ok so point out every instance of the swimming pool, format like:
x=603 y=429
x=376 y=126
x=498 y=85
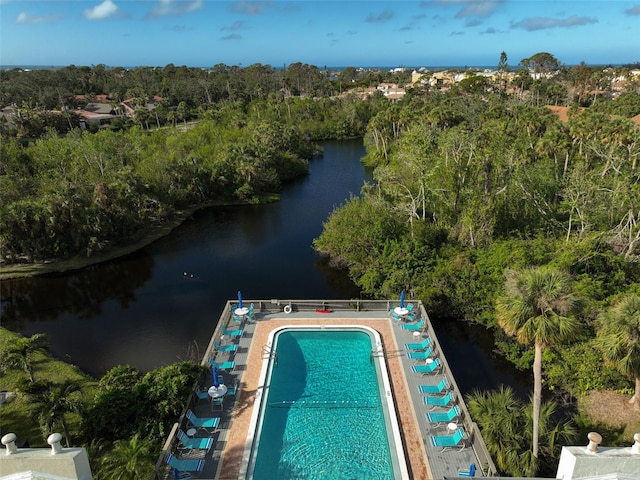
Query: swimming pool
x=324 y=408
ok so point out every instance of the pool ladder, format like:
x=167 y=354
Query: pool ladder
x=376 y=353
x=267 y=353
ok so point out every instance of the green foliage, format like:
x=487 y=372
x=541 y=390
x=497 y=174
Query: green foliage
x=147 y=405
x=578 y=368
x=505 y=424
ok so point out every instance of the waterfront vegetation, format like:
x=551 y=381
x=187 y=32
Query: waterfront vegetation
x=478 y=191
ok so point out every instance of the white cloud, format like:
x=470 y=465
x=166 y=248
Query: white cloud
x=468 y=8
x=544 y=23
x=101 y=11
x=635 y=10
x=32 y=19
x=250 y=8
x=174 y=8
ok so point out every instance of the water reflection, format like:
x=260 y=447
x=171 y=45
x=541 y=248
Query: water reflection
x=80 y=294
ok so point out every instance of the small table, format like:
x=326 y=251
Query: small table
x=428 y=361
x=416 y=334
x=241 y=312
x=401 y=311
x=191 y=432
x=217 y=392
x=452 y=427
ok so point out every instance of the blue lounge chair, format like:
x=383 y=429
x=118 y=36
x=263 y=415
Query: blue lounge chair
x=204 y=423
x=427 y=367
x=423 y=355
x=232 y=347
x=413 y=326
x=185 y=464
x=231 y=333
x=439 y=388
x=418 y=346
x=202 y=395
x=230 y=365
x=436 y=401
x=443 y=417
x=198 y=443
x=470 y=472
x=449 y=441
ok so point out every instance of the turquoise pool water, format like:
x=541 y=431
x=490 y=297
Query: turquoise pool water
x=324 y=413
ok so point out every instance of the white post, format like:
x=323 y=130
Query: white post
x=54 y=440
x=9 y=441
x=594 y=440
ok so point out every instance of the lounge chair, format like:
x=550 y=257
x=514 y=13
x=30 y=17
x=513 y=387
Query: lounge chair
x=204 y=423
x=231 y=333
x=428 y=367
x=185 y=464
x=198 y=443
x=230 y=365
x=449 y=441
x=443 y=417
x=413 y=326
x=436 y=401
x=232 y=347
x=467 y=472
x=423 y=355
x=439 y=388
x=202 y=395
x=418 y=346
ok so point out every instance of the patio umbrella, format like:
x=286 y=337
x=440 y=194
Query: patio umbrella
x=402 y=299
x=239 y=299
x=216 y=379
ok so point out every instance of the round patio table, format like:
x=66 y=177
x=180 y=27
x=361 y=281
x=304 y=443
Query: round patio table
x=241 y=312
x=217 y=392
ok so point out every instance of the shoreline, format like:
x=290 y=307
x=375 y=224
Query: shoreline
x=27 y=270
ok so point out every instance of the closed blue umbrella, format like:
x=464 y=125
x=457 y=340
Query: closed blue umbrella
x=402 y=299
x=216 y=379
x=239 y=299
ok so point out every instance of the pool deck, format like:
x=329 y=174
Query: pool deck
x=224 y=460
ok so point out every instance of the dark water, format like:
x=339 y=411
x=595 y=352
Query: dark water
x=142 y=310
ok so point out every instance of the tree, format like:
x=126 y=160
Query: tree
x=535 y=308
x=54 y=403
x=129 y=459
x=20 y=354
x=505 y=421
x=541 y=63
x=619 y=340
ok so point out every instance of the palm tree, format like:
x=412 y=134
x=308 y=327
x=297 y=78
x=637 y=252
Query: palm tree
x=129 y=459
x=505 y=421
x=20 y=355
x=619 y=339
x=54 y=403
x=534 y=309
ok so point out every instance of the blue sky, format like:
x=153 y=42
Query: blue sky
x=202 y=33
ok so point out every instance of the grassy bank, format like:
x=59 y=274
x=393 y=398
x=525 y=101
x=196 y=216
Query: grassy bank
x=19 y=413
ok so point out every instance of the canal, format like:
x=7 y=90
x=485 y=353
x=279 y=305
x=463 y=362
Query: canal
x=160 y=304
